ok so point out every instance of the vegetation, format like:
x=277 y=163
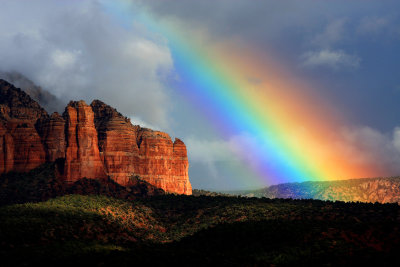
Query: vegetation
x=37 y=185
x=201 y=192
x=41 y=184
x=201 y=230
x=383 y=190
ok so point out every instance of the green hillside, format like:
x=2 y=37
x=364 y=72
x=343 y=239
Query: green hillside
x=203 y=230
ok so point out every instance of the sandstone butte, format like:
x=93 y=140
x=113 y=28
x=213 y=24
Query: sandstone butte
x=87 y=141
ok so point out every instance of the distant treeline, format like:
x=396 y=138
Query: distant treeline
x=382 y=190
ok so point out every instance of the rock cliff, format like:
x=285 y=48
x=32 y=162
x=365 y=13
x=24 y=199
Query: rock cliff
x=151 y=154
x=21 y=148
x=87 y=141
x=82 y=156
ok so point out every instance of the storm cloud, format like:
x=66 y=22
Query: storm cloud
x=349 y=53
x=77 y=51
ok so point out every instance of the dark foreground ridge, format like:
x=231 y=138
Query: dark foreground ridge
x=198 y=231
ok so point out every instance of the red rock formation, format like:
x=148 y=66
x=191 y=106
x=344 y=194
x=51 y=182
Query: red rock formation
x=117 y=142
x=52 y=131
x=163 y=163
x=181 y=167
x=20 y=145
x=17 y=104
x=82 y=156
x=128 y=150
x=93 y=141
x=28 y=150
x=7 y=149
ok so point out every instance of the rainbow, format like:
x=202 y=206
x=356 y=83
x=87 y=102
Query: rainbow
x=293 y=133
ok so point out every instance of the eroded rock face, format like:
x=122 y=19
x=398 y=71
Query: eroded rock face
x=93 y=141
x=128 y=150
x=117 y=142
x=163 y=163
x=16 y=104
x=27 y=151
x=52 y=131
x=82 y=156
x=21 y=148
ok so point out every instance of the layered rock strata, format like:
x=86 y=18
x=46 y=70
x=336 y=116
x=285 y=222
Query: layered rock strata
x=21 y=148
x=93 y=141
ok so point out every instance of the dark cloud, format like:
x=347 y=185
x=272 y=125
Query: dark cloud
x=76 y=50
x=47 y=100
x=326 y=43
x=349 y=52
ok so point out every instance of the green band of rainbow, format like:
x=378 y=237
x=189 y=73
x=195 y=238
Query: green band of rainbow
x=294 y=136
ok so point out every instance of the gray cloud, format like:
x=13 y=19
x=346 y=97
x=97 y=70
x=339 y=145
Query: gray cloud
x=47 y=100
x=212 y=152
x=369 y=147
x=218 y=164
x=372 y=25
x=258 y=21
x=223 y=150
x=325 y=54
x=333 y=33
x=321 y=36
x=337 y=60
x=77 y=51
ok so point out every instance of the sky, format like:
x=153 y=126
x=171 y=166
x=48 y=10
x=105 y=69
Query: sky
x=344 y=54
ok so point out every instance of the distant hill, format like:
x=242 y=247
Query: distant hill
x=201 y=192
x=382 y=190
